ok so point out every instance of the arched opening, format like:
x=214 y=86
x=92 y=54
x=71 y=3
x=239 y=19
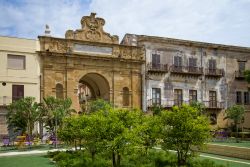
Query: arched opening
x=125 y=96
x=92 y=86
x=59 y=91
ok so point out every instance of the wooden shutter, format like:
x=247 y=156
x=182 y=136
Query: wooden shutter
x=17 y=92
x=156 y=60
x=212 y=64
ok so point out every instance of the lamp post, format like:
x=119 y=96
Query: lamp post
x=56 y=129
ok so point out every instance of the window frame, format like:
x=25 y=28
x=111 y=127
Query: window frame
x=192 y=94
x=178 y=97
x=238 y=99
x=19 y=56
x=246 y=98
x=16 y=91
x=156 y=60
x=125 y=97
x=212 y=98
x=155 y=99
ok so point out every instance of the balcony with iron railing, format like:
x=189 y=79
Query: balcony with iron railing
x=170 y=103
x=214 y=105
x=214 y=72
x=239 y=75
x=187 y=70
x=162 y=68
x=166 y=103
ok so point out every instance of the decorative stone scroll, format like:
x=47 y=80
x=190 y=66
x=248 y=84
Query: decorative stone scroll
x=56 y=46
x=92 y=30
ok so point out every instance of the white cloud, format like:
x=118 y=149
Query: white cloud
x=28 y=18
x=223 y=21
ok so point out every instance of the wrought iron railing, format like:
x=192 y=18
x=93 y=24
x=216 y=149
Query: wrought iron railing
x=170 y=103
x=157 y=67
x=214 y=104
x=239 y=74
x=214 y=72
x=186 y=70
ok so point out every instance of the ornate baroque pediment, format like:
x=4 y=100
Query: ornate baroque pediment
x=92 y=30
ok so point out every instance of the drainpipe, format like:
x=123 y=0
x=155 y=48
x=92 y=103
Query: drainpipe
x=143 y=99
x=202 y=78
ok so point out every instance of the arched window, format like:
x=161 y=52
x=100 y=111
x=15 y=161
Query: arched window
x=59 y=91
x=125 y=96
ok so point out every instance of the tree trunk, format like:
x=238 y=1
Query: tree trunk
x=178 y=158
x=113 y=159
x=118 y=159
x=29 y=132
x=75 y=145
x=41 y=129
x=237 y=133
x=93 y=155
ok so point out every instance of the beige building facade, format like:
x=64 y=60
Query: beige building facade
x=179 y=71
x=19 y=74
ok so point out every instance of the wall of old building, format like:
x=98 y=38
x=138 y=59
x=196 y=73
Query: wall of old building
x=120 y=69
x=29 y=77
x=225 y=85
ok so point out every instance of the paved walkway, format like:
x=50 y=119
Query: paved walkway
x=45 y=151
x=29 y=152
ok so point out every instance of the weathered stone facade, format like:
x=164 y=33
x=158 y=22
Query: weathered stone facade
x=92 y=57
x=209 y=73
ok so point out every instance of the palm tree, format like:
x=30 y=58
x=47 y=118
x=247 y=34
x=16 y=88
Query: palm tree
x=22 y=115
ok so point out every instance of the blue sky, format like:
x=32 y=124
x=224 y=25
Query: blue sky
x=215 y=21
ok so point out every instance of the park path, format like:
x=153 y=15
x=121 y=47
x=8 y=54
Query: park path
x=45 y=151
x=28 y=152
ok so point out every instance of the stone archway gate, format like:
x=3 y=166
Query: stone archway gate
x=90 y=50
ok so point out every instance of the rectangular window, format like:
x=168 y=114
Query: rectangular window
x=212 y=66
x=238 y=97
x=246 y=98
x=156 y=60
x=192 y=95
x=17 y=92
x=177 y=61
x=212 y=99
x=16 y=62
x=242 y=66
x=192 y=64
x=156 y=96
x=178 y=97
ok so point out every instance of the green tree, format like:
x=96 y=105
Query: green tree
x=99 y=105
x=185 y=131
x=235 y=113
x=149 y=130
x=53 y=112
x=22 y=115
x=121 y=132
x=199 y=106
x=247 y=75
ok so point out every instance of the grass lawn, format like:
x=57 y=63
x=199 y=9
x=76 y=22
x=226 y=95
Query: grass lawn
x=37 y=160
x=233 y=143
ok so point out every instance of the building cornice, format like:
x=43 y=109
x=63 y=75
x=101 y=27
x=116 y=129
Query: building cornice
x=205 y=45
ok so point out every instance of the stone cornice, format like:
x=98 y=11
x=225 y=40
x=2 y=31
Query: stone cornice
x=65 y=46
x=144 y=38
